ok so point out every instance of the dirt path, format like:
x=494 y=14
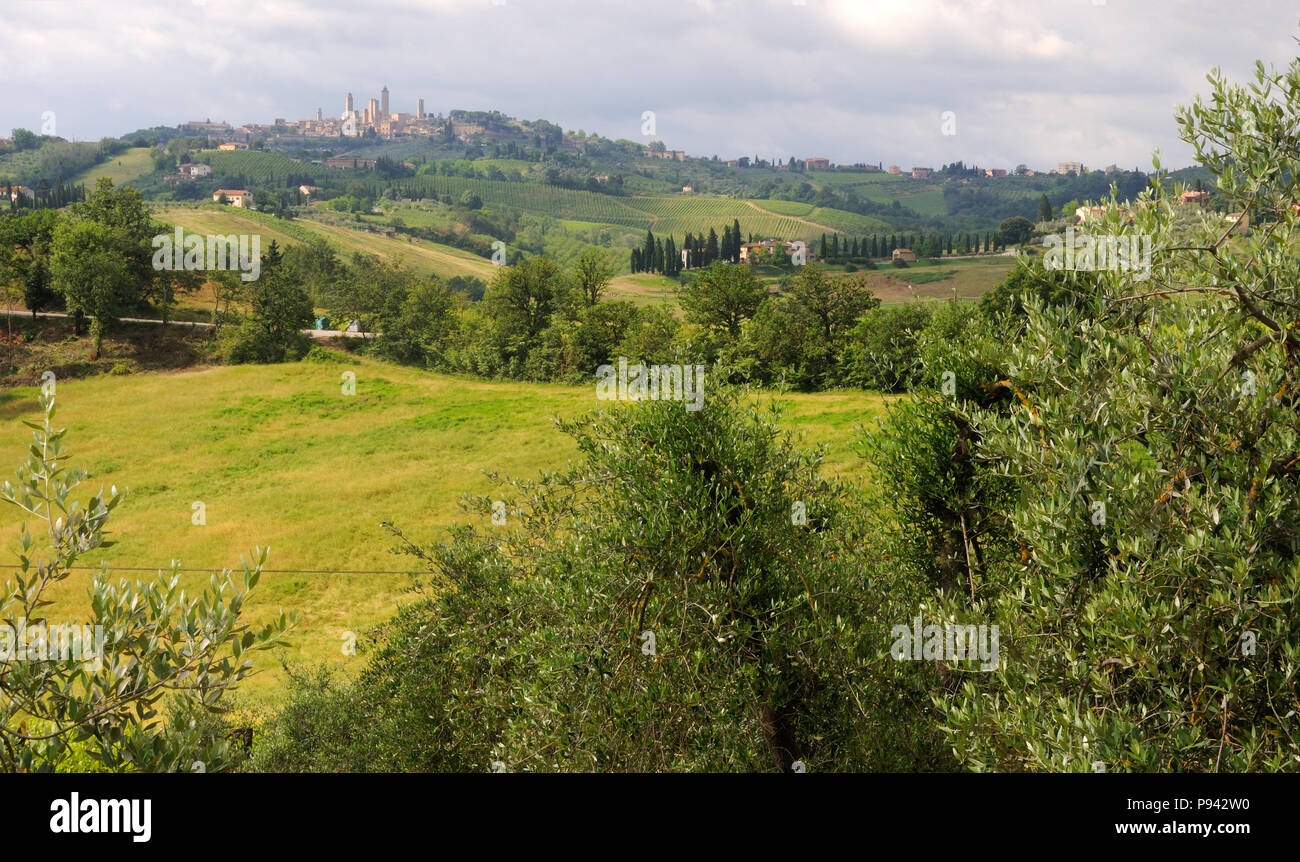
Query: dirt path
x=314 y=333
x=799 y=219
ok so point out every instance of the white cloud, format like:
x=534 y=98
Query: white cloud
x=851 y=80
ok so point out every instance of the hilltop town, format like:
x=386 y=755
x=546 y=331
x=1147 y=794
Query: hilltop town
x=377 y=122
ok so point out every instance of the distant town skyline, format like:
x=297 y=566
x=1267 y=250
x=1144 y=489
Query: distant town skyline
x=907 y=83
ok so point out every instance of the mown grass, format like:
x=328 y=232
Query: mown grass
x=121 y=169
x=279 y=457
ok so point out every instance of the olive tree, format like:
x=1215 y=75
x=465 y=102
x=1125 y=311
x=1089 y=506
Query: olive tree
x=1147 y=604
x=127 y=686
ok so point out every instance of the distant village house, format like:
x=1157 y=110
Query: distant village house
x=241 y=198
x=349 y=163
x=751 y=252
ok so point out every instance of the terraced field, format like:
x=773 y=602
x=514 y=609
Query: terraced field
x=258 y=166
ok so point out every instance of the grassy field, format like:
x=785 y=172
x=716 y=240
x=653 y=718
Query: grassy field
x=280 y=457
x=121 y=169
x=420 y=255
x=969 y=278
x=644 y=288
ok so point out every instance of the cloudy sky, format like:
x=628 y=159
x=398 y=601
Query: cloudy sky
x=853 y=80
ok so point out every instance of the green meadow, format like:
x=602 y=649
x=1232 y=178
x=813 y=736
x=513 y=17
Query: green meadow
x=279 y=457
x=121 y=169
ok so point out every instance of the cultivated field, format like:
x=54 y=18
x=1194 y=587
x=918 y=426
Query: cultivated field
x=420 y=255
x=664 y=214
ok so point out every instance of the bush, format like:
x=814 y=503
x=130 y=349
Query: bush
x=322 y=354
x=251 y=342
x=883 y=351
x=532 y=646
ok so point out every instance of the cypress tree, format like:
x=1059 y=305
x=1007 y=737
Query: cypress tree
x=1044 y=208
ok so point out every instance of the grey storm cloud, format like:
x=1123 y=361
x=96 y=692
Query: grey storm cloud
x=1032 y=82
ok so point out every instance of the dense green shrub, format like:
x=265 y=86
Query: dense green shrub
x=704 y=530
x=883 y=350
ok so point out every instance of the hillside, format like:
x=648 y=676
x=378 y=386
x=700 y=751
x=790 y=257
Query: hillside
x=121 y=169
x=421 y=255
x=664 y=214
x=280 y=458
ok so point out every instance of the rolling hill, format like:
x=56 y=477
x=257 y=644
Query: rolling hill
x=279 y=457
x=421 y=255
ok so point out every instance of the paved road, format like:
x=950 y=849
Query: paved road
x=314 y=333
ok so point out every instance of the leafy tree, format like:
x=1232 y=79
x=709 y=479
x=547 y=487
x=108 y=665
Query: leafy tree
x=25 y=243
x=123 y=211
x=523 y=297
x=832 y=304
x=883 y=350
x=24 y=139
x=87 y=265
x=1015 y=230
x=591 y=274
x=1146 y=585
x=723 y=296
x=417 y=322
x=279 y=310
